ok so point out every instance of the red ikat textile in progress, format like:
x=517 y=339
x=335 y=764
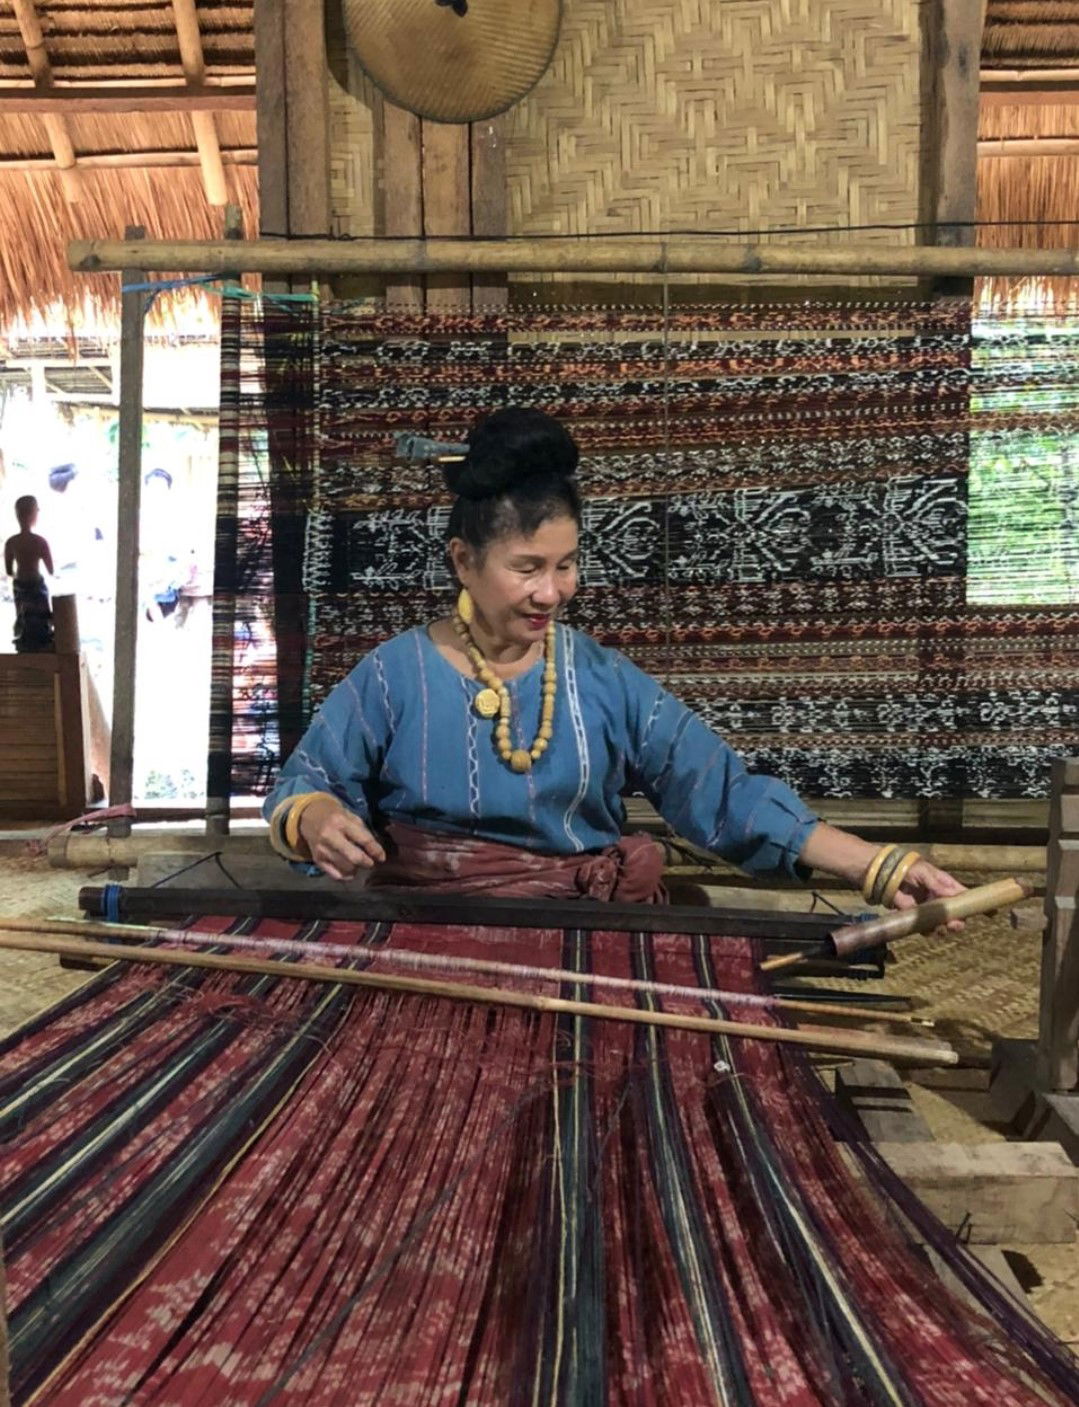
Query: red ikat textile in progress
x=247 y=1190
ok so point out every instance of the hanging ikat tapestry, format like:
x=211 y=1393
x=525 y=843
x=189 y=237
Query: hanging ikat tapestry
x=776 y=520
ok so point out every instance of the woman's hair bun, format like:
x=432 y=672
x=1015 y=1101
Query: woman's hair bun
x=509 y=446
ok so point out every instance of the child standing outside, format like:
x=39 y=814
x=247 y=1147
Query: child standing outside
x=24 y=555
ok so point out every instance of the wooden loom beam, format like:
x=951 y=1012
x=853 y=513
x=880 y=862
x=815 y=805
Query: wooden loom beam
x=15 y=935
x=564 y=254
x=412 y=906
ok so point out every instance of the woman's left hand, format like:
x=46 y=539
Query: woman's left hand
x=923 y=882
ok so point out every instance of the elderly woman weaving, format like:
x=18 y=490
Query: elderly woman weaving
x=489 y=752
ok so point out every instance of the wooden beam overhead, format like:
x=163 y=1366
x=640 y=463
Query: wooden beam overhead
x=1043 y=86
x=194 y=66
x=131 y=160
x=94 y=98
x=55 y=124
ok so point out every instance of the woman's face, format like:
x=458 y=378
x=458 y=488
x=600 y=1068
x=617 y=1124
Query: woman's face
x=520 y=583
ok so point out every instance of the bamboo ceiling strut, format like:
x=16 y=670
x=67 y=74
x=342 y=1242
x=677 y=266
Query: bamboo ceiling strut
x=674 y=254
x=186 y=19
x=34 y=935
x=55 y=124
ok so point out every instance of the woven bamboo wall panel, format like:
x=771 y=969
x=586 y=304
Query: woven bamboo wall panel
x=353 y=103
x=667 y=114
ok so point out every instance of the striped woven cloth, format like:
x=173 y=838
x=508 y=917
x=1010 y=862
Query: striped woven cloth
x=248 y=1190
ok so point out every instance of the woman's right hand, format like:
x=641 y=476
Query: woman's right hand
x=339 y=842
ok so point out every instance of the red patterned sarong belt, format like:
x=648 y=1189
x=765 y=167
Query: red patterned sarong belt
x=440 y=862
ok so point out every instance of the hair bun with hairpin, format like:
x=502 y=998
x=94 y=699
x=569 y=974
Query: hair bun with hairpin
x=508 y=446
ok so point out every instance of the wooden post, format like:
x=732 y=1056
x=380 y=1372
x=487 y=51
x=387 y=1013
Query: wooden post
x=950 y=192
x=65 y=624
x=489 y=214
x=270 y=117
x=402 y=194
x=307 y=117
x=219 y=761
x=294 y=199
x=1058 y=1029
x=128 y=501
x=446 y=205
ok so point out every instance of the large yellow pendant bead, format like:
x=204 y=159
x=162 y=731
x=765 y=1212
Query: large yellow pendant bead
x=520 y=760
x=486 y=703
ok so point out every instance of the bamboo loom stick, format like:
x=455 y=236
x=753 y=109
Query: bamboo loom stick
x=562 y=254
x=406 y=957
x=17 y=934
x=923 y=918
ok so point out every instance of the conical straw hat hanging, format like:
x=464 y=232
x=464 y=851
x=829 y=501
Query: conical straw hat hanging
x=454 y=60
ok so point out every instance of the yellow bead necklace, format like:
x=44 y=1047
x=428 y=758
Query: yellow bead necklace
x=495 y=699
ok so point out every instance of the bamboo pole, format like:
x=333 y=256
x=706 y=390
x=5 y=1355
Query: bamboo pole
x=1028 y=146
x=565 y=254
x=76 y=851
x=923 y=918
x=418 y=961
x=23 y=935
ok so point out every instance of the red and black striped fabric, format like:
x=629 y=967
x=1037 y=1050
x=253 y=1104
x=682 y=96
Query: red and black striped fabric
x=236 y=1190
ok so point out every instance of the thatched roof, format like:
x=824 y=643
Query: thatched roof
x=1031 y=34
x=142 y=166
x=136 y=164
x=1028 y=168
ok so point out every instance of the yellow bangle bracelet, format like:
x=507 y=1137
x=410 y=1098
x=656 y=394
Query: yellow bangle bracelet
x=293 y=839
x=869 y=878
x=902 y=869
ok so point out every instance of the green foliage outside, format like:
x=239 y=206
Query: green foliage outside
x=1023 y=530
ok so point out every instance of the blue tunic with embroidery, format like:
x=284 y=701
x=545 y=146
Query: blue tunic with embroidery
x=399 y=739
